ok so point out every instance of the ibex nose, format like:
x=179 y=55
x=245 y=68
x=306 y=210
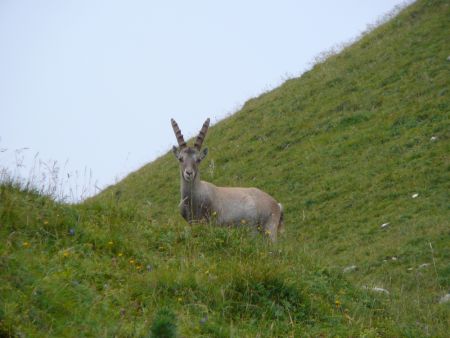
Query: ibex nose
x=188 y=173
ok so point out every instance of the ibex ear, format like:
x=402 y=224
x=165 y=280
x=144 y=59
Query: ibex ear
x=203 y=154
x=175 y=151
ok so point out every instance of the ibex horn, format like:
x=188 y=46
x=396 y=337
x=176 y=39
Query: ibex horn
x=178 y=134
x=201 y=135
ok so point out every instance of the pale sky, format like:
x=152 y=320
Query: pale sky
x=92 y=85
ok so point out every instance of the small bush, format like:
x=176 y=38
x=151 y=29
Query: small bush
x=266 y=297
x=164 y=324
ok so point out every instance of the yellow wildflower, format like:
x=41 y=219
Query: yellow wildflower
x=268 y=232
x=110 y=243
x=243 y=221
x=180 y=299
x=132 y=261
x=26 y=244
x=66 y=253
x=120 y=254
x=139 y=267
x=45 y=222
x=338 y=303
x=214 y=213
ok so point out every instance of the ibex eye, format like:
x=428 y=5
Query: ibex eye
x=180 y=159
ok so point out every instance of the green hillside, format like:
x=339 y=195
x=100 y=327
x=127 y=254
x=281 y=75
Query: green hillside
x=345 y=147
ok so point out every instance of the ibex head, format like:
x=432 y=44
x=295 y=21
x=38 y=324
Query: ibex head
x=190 y=157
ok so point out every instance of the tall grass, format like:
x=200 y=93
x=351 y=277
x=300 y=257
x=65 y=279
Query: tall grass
x=46 y=177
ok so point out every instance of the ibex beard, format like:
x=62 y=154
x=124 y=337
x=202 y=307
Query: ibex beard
x=202 y=201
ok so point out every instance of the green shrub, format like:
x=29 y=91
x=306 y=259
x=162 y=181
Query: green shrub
x=164 y=324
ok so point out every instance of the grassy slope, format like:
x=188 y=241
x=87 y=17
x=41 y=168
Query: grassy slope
x=117 y=272
x=343 y=148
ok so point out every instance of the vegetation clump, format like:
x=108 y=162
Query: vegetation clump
x=164 y=324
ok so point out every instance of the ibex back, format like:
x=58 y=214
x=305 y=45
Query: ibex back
x=203 y=201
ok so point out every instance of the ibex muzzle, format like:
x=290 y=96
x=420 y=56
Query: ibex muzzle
x=228 y=206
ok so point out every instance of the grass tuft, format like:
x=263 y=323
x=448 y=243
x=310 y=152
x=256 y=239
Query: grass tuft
x=164 y=324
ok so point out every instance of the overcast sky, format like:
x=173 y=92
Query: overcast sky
x=92 y=84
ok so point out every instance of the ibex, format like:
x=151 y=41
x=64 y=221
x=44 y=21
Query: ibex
x=226 y=206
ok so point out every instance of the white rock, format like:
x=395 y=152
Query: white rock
x=448 y=58
x=433 y=138
x=394 y=258
x=377 y=289
x=445 y=299
x=415 y=195
x=350 y=268
x=410 y=269
x=384 y=225
x=424 y=265
x=381 y=290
